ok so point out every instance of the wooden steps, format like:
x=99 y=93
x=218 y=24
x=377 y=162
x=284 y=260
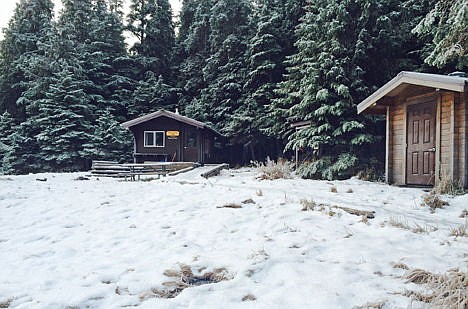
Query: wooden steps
x=133 y=171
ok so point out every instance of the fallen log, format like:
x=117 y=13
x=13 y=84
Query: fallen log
x=215 y=170
x=369 y=214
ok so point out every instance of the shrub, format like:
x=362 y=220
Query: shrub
x=459 y=231
x=307 y=204
x=275 y=170
x=446 y=291
x=446 y=185
x=433 y=201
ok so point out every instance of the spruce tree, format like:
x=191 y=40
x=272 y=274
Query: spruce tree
x=7 y=129
x=327 y=79
x=447 y=26
x=226 y=69
x=31 y=20
x=64 y=118
x=150 y=21
x=194 y=50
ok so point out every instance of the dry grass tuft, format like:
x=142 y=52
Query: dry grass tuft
x=183 y=278
x=249 y=297
x=259 y=192
x=459 y=231
x=275 y=170
x=400 y=266
x=433 y=201
x=445 y=291
x=333 y=189
x=373 y=305
x=230 y=205
x=349 y=190
x=423 y=229
x=464 y=214
x=446 y=185
x=399 y=222
x=307 y=204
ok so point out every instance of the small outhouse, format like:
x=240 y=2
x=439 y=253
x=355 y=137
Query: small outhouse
x=426 y=127
x=171 y=137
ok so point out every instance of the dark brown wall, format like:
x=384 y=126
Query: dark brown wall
x=175 y=146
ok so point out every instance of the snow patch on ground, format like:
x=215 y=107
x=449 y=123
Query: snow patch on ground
x=106 y=243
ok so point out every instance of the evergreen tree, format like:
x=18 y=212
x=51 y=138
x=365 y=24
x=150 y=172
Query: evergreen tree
x=194 y=50
x=327 y=78
x=109 y=140
x=225 y=70
x=150 y=21
x=64 y=118
x=31 y=20
x=152 y=94
x=447 y=25
x=7 y=129
x=266 y=53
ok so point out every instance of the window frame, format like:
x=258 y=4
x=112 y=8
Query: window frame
x=154 y=139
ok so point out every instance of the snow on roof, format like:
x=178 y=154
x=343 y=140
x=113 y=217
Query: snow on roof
x=453 y=83
x=164 y=113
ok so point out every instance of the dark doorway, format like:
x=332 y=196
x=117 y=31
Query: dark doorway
x=421 y=141
x=191 y=146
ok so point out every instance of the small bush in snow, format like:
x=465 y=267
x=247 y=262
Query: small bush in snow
x=433 y=201
x=400 y=223
x=447 y=185
x=446 y=291
x=333 y=189
x=459 y=231
x=307 y=204
x=274 y=170
x=184 y=278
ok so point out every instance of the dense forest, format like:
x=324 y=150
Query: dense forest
x=248 y=68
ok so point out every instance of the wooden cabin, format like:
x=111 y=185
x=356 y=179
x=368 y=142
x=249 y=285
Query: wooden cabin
x=426 y=127
x=170 y=137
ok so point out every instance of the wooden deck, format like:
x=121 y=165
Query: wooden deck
x=133 y=171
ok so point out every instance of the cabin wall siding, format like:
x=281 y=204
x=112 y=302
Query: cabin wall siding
x=398 y=144
x=446 y=136
x=461 y=137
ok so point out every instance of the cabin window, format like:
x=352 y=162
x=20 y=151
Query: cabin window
x=154 y=138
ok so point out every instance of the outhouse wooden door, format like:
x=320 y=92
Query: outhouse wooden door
x=421 y=141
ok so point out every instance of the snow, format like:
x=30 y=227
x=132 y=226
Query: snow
x=104 y=243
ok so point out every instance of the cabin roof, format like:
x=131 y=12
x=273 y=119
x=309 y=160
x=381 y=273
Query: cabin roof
x=165 y=113
x=452 y=83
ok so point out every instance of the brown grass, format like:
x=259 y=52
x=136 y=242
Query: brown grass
x=183 y=278
x=307 y=204
x=446 y=185
x=433 y=201
x=444 y=291
x=399 y=222
x=400 y=266
x=275 y=170
x=333 y=189
x=349 y=190
x=459 y=231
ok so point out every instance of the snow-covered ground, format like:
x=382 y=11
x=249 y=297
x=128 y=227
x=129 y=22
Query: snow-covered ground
x=105 y=243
